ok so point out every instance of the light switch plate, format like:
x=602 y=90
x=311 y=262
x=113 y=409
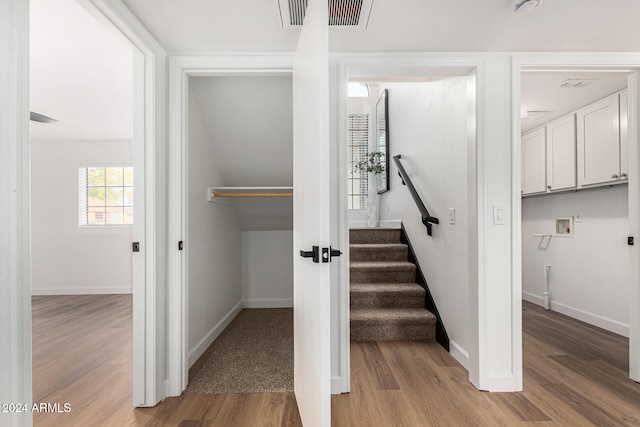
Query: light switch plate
x=452 y=215
x=499 y=215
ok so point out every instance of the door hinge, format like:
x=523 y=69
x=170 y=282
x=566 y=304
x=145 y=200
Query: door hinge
x=180 y=245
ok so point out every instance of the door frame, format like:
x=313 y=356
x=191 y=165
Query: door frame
x=148 y=140
x=180 y=69
x=145 y=50
x=591 y=62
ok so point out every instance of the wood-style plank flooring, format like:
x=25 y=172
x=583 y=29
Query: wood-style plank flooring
x=574 y=375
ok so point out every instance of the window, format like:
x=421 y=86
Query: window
x=106 y=195
x=358 y=140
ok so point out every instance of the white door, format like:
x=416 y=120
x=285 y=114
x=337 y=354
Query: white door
x=311 y=218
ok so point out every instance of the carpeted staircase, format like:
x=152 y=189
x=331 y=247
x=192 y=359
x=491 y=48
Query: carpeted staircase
x=386 y=302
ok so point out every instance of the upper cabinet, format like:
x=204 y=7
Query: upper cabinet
x=599 y=142
x=561 y=153
x=533 y=162
x=580 y=150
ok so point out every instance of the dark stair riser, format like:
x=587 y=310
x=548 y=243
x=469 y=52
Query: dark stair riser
x=378 y=252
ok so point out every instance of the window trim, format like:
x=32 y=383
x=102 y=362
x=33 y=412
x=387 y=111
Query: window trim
x=82 y=196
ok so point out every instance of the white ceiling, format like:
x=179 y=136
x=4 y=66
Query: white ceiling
x=81 y=74
x=541 y=91
x=400 y=25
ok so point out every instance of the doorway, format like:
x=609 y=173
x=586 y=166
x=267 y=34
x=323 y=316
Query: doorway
x=621 y=197
x=239 y=241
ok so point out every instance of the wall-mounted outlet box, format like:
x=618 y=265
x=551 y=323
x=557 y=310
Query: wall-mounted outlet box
x=564 y=227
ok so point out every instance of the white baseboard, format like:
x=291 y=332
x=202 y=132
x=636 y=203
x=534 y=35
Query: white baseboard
x=459 y=353
x=79 y=291
x=209 y=338
x=610 y=325
x=268 y=303
x=337 y=385
x=532 y=298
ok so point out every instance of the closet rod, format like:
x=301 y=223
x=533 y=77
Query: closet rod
x=252 y=194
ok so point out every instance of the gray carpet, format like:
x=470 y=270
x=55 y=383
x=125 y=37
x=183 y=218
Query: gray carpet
x=253 y=354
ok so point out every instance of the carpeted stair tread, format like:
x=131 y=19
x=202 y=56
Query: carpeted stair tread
x=392 y=324
x=382 y=265
x=386 y=295
x=412 y=288
x=400 y=315
x=374 y=235
x=362 y=252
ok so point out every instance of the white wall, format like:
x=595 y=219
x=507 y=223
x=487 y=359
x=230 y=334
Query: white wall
x=213 y=244
x=267 y=268
x=589 y=276
x=67 y=258
x=429 y=128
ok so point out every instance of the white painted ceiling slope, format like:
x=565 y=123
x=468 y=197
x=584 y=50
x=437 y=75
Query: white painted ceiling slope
x=400 y=25
x=81 y=74
x=249 y=121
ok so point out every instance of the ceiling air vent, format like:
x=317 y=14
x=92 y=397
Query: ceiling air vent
x=342 y=13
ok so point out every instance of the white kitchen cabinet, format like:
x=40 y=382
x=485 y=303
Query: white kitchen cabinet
x=533 y=162
x=561 y=153
x=598 y=132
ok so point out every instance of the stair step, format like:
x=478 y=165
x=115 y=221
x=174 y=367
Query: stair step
x=387 y=295
x=374 y=235
x=392 y=324
x=382 y=272
x=362 y=252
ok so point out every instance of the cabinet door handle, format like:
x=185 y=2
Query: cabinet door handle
x=615 y=176
x=549 y=187
x=623 y=175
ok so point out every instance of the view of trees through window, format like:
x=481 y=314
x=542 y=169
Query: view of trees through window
x=108 y=195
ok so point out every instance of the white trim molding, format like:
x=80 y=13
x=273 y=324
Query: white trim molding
x=268 y=303
x=181 y=67
x=494 y=350
x=15 y=282
x=605 y=323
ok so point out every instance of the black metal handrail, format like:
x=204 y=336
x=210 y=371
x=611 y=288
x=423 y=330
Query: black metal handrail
x=427 y=219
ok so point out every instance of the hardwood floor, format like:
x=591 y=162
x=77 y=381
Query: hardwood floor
x=574 y=375
x=82 y=356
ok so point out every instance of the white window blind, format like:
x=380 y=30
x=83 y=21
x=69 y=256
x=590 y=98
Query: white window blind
x=358 y=148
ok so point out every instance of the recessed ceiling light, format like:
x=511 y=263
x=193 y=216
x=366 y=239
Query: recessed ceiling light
x=524 y=6
x=575 y=83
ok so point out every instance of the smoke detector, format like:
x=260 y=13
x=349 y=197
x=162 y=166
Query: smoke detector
x=342 y=13
x=524 y=6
